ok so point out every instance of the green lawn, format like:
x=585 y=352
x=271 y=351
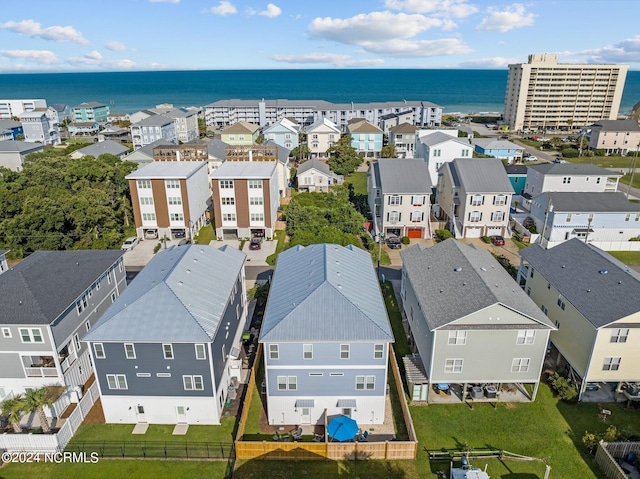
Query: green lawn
x=519 y=244
x=117 y=469
x=631 y=258
x=359 y=182
x=280 y=236
x=626 y=179
x=524 y=141
x=206 y=234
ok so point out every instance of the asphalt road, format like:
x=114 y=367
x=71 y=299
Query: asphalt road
x=258 y=273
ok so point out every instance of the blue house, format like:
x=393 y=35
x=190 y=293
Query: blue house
x=284 y=133
x=168 y=349
x=517 y=176
x=326 y=337
x=10 y=129
x=91 y=111
x=503 y=149
x=366 y=137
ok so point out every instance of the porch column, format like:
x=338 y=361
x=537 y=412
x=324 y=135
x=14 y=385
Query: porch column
x=535 y=390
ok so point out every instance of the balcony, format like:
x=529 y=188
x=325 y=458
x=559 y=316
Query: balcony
x=39 y=366
x=67 y=358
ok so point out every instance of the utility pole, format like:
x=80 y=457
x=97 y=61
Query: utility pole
x=633 y=170
x=588 y=227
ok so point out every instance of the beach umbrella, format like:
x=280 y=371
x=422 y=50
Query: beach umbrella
x=342 y=428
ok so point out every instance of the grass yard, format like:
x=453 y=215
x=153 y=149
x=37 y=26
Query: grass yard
x=621 y=162
x=116 y=469
x=280 y=236
x=206 y=234
x=359 y=182
x=626 y=179
x=631 y=258
x=532 y=143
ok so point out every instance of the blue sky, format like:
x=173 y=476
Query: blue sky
x=124 y=35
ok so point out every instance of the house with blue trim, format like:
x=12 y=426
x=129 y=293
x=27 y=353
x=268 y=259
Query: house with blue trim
x=517 y=175
x=503 y=149
x=10 y=129
x=91 y=111
x=284 y=133
x=326 y=337
x=168 y=349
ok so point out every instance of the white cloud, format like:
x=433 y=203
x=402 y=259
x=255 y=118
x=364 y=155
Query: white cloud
x=371 y=27
x=224 y=8
x=444 y=8
x=514 y=16
x=334 y=59
x=627 y=50
x=418 y=48
x=110 y=65
x=272 y=11
x=32 y=28
x=488 y=63
x=116 y=46
x=94 y=55
x=45 y=57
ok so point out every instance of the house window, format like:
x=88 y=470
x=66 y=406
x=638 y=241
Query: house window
x=228 y=216
x=627 y=217
x=176 y=217
x=417 y=200
x=82 y=303
x=117 y=381
x=568 y=217
x=149 y=216
x=365 y=382
x=395 y=200
x=31 y=335
x=477 y=200
x=453 y=365
x=458 y=337
x=257 y=216
x=475 y=216
x=129 y=350
x=544 y=309
x=98 y=349
x=192 y=383
x=201 y=352
x=255 y=184
x=378 y=351
x=256 y=200
x=561 y=302
x=436 y=153
x=273 y=351
x=393 y=216
x=146 y=200
x=497 y=216
x=6 y=332
x=611 y=364
x=76 y=341
x=619 y=336
x=175 y=200
x=598 y=181
x=167 y=350
x=464 y=153
x=566 y=180
x=526 y=336
x=532 y=271
x=228 y=201
x=500 y=200
x=637 y=217
x=226 y=184
x=287 y=383
x=144 y=183
x=307 y=351
x=172 y=183
x=416 y=216
x=520 y=365
x=113 y=297
x=344 y=351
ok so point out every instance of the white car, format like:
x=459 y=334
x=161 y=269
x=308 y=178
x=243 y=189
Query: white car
x=531 y=158
x=130 y=243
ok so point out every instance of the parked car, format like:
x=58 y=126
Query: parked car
x=130 y=243
x=179 y=234
x=531 y=158
x=393 y=242
x=151 y=234
x=497 y=240
x=255 y=243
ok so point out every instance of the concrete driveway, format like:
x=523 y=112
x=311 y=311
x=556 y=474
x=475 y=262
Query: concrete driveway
x=139 y=256
x=509 y=250
x=255 y=257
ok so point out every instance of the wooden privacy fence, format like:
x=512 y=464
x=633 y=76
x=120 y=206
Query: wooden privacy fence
x=607 y=453
x=251 y=386
x=406 y=415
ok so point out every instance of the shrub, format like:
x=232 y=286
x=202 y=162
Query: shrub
x=486 y=239
x=590 y=440
x=563 y=387
x=157 y=247
x=587 y=153
x=532 y=228
x=600 y=152
x=367 y=241
x=634 y=239
x=570 y=153
x=442 y=235
x=405 y=240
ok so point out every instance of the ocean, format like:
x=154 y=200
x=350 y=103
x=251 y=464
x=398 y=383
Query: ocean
x=126 y=92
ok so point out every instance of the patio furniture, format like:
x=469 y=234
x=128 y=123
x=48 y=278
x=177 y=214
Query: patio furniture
x=318 y=437
x=297 y=434
x=363 y=437
x=342 y=428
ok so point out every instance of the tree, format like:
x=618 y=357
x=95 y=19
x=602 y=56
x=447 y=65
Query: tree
x=36 y=400
x=260 y=140
x=12 y=408
x=202 y=127
x=301 y=152
x=344 y=158
x=389 y=151
x=20 y=137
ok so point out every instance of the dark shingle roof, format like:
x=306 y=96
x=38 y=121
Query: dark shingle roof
x=515 y=169
x=446 y=295
x=314 y=163
x=572 y=169
x=576 y=270
x=616 y=125
x=41 y=287
x=403 y=175
x=104 y=147
x=482 y=175
x=591 y=202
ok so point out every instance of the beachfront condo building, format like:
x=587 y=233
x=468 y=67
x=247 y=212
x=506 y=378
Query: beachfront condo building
x=13 y=108
x=544 y=94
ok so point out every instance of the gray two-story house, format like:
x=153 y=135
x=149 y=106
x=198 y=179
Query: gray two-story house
x=48 y=302
x=168 y=349
x=470 y=322
x=326 y=337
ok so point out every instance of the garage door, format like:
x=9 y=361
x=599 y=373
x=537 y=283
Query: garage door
x=414 y=232
x=494 y=231
x=473 y=233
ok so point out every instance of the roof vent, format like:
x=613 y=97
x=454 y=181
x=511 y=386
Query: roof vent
x=619 y=282
x=201 y=250
x=339 y=286
x=588 y=290
x=603 y=271
x=441 y=290
x=496 y=285
x=458 y=269
x=563 y=266
x=482 y=268
x=77 y=264
x=195 y=260
x=464 y=284
x=180 y=283
x=188 y=271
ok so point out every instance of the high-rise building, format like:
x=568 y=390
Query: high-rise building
x=545 y=94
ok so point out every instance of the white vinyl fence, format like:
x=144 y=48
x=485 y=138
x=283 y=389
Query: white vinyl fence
x=52 y=442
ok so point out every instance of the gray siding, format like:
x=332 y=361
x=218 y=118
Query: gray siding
x=150 y=359
x=14 y=343
x=11 y=365
x=326 y=354
x=422 y=335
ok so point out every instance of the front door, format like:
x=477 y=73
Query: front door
x=182 y=414
x=305 y=416
x=140 y=414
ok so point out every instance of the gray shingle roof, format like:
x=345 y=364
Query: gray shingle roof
x=166 y=170
x=572 y=169
x=446 y=295
x=325 y=292
x=104 y=147
x=439 y=137
x=19 y=146
x=482 y=175
x=42 y=286
x=515 y=169
x=9 y=124
x=616 y=125
x=402 y=175
x=181 y=295
x=591 y=202
x=574 y=269
x=314 y=163
x=405 y=128
x=148 y=149
x=90 y=104
x=493 y=144
x=155 y=120
x=216 y=148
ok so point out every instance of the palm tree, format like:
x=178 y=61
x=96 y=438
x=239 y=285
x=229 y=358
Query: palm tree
x=13 y=408
x=35 y=400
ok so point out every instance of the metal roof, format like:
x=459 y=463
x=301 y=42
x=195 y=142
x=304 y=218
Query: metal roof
x=482 y=175
x=166 y=170
x=19 y=146
x=563 y=169
x=42 y=286
x=245 y=169
x=181 y=295
x=321 y=166
x=452 y=280
x=90 y=104
x=402 y=175
x=108 y=146
x=599 y=286
x=325 y=292
x=590 y=202
x=438 y=137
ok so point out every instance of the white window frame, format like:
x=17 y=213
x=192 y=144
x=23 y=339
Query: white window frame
x=453 y=365
x=526 y=336
x=254 y=184
x=274 y=351
x=228 y=216
x=31 y=336
x=500 y=200
x=520 y=365
x=228 y=200
x=201 y=351
x=76 y=342
x=497 y=216
x=169 y=350
x=477 y=200
x=176 y=217
x=619 y=335
x=457 y=337
x=475 y=216
x=172 y=184
x=119 y=381
x=378 y=351
x=307 y=351
x=98 y=351
x=256 y=200
x=226 y=184
x=345 y=351
x=6 y=332
x=395 y=200
x=287 y=383
x=129 y=351
x=611 y=364
x=192 y=383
